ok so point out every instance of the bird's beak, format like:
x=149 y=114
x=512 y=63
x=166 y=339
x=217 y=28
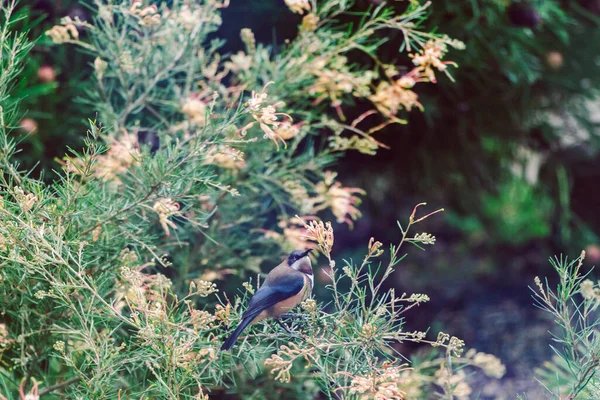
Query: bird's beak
x=306 y=252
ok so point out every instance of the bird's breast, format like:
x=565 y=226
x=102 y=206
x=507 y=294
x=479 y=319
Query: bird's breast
x=286 y=305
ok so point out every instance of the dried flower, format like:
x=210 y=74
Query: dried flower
x=188 y=17
x=456 y=346
x=538 y=283
x=292 y=236
x=368 y=331
x=286 y=130
x=334 y=79
x=298 y=195
x=280 y=366
x=166 y=208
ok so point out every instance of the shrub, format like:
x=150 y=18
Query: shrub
x=112 y=276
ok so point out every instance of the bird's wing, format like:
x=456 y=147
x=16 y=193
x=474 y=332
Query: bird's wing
x=274 y=291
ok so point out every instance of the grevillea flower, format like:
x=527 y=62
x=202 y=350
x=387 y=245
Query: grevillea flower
x=341 y=200
x=298 y=6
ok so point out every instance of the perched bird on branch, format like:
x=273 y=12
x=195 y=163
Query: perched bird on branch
x=286 y=286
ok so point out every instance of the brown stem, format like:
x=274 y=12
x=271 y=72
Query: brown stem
x=59 y=386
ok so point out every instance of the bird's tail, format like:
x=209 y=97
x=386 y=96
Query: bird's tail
x=238 y=331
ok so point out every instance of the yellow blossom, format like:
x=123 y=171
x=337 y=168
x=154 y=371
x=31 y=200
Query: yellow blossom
x=335 y=79
x=588 y=291
x=100 y=67
x=26 y=201
x=205 y=288
x=166 y=208
x=63 y=34
x=430 y=57
x=454 y=382
x=374 y=248
x=122 y=154
x=226 y=157
x=287 y=131
x=389 y=99
x=195 y=110
x=320 y=233
x=382 y=384
x=223 y=314
x=147 y=15
x=310 y=306
x=248 y=286
x=298 y=6
x=201 y=319
x=239 y=62
x=292 y=236
x=4 y=340
x=309 y=23
x=490 y=364
x=341 y=200
x=266 y=116
x=365 y=145
x=249 y=40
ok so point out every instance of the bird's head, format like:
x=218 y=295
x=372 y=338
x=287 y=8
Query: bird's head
x=298 y=259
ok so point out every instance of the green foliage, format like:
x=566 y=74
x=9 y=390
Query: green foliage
x=517 y=214
x=186 y=182
x=517 y=88
x=573 y=372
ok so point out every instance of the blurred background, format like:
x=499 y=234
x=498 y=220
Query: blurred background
x=510 y=150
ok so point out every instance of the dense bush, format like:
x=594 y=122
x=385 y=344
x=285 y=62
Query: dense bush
x=127 y=261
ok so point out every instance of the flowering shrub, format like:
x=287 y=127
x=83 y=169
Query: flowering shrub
x=111 y=278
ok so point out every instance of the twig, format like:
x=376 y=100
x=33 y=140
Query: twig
x=59 y=386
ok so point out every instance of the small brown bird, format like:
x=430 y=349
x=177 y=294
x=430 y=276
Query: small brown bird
x=286 y=286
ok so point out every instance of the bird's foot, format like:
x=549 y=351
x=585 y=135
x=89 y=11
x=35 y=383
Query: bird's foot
x=285 y=328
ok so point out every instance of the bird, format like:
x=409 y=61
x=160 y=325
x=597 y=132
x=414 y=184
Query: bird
x=286 y=286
